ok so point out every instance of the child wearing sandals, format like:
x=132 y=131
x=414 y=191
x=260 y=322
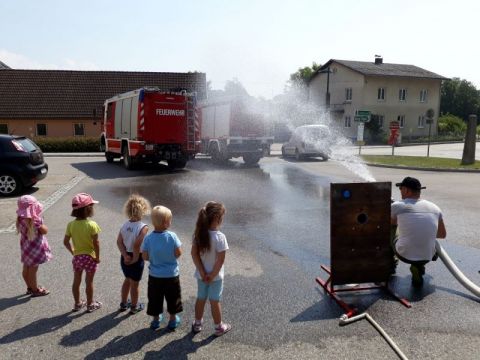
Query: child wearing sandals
x=209 y=248
x=81 y=240
x=129 y=240
x=162 y=248
x=33 y=242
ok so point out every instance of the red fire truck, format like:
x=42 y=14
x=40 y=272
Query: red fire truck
x=149 y=125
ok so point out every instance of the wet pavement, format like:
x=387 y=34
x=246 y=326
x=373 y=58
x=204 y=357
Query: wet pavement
x=277 y=225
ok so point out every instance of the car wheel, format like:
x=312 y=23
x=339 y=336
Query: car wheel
x=298 y=156
x=9 y=185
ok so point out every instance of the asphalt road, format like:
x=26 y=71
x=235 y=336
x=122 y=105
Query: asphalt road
x=277 y=224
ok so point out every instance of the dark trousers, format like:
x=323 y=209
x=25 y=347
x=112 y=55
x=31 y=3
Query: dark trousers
x=164 y=288
x=420 y=264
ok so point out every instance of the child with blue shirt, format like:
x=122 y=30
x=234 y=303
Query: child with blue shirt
x=162 y=248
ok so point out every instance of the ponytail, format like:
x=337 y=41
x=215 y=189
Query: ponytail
x=207 y=214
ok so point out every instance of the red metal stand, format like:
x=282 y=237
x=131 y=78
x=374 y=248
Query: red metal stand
x=329 y=288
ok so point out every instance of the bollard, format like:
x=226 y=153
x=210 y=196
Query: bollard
x=468 y=157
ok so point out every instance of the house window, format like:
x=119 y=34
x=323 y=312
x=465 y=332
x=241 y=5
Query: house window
x=79 y=129
x=41 y=129
x=421 y=121
x=348 y=121
x=401 y=120
x=381 y=119
x=402 y=94
x=348 y=94
x=3 y=129
x=381 y=94
x=423 y=95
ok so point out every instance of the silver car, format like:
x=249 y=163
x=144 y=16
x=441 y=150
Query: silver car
x=308 y=141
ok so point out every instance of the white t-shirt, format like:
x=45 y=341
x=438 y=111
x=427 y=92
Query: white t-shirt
x=218 y=243
x=417 y=225
x=130 y=231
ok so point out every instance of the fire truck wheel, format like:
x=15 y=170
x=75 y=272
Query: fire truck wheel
x=127 y=159
x=251 y=158
x=176 y=164
x=109 y=157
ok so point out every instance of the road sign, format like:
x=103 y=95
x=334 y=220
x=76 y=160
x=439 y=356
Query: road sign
x=363 y=113
x=362 y=116
x=362 y=119
x=429 y=121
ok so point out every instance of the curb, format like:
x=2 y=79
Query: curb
x=100 y=154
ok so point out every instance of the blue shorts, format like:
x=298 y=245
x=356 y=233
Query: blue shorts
x=133 y=271
x=212 y=291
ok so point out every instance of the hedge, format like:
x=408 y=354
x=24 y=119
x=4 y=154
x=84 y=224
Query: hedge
x=73 y=144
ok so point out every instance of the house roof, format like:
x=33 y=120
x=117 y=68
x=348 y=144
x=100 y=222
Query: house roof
x=383 y=69
x=3 y=66
x=55 y=94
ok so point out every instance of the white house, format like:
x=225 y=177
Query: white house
x=390 y=92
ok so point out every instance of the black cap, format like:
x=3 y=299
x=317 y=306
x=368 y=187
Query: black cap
x=411 y=183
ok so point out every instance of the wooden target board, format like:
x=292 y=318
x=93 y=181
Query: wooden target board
x=360 y=250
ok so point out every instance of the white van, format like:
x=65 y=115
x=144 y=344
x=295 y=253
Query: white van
x=308 y=141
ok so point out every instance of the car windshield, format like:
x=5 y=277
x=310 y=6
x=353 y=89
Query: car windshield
x=27 y=144
x=314 y=134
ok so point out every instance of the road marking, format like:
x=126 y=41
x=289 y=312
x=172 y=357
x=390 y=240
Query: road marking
x=52 y=199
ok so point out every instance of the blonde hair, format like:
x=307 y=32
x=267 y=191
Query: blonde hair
x=136 y=207
x=160 y=215
x=29 y=225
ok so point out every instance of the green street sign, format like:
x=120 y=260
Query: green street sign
x=363 y=113
x=361 y=118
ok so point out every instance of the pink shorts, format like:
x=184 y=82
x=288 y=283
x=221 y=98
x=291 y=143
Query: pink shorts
x=84 y=262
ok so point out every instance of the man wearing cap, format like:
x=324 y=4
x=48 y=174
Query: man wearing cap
x=419 y=223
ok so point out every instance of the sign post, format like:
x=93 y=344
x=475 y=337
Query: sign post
x=429 y=115
x=362 y=117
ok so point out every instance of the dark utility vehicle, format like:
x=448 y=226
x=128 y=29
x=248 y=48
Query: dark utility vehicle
x=21 y=164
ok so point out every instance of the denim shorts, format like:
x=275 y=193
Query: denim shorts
x=212 y=291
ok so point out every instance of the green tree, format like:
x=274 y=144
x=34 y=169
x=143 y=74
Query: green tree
x=451 y=125
x=235 y=88
x=459 y=97
x=300 y=78
x=374 y=130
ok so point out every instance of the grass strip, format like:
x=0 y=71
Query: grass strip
x=420 y=162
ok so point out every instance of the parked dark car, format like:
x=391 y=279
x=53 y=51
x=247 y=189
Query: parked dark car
x=21 y=164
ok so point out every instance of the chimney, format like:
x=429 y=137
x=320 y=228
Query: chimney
x=378 y=60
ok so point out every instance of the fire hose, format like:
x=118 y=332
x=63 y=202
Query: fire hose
x=462 y=279
x=345 y=320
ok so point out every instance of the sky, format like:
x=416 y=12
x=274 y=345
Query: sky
x=259 y=43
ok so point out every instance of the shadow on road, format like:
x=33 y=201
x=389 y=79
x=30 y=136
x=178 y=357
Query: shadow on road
x=6 y=303
x=40 y=327
x=102 y=170
x=179 y=349
x=93 y=330
x=124 y=345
